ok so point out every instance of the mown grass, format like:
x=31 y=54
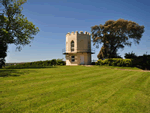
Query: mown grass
x=119 y=67
x=76 y=89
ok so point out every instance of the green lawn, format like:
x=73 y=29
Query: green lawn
x=73 y=89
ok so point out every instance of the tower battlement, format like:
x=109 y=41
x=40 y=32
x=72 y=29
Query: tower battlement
x=78 y=48
x=76 y=32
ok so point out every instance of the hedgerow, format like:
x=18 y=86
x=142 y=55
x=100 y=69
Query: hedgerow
x=52 y=62
x=141 y=61
x=114 y=62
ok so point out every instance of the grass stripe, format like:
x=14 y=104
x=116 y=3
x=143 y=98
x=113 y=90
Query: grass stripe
x=75 y=89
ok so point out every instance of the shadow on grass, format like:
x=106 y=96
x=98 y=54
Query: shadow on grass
x=30 y=67
x=11 y=72
x=143 y=67
x=15 y=73
x=34 y=67
x=133 y=67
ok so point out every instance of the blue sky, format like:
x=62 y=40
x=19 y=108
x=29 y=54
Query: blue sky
x=55 y=18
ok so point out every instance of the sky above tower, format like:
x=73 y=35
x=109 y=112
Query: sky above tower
x=55 y=18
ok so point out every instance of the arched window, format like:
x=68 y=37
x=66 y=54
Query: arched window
x=72 y=45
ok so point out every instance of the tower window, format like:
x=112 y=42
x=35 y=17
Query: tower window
x=72 y=45
x=72 y=58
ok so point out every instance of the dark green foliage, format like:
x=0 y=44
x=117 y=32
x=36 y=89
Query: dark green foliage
x=2 y=62
x=60 y=62
x=53 y=62
x=38 y=64
x=130 y=55
x=99 y=62
x=128 y=62
x=142 y=61
x=105 y=53
x=16 y=28
x=3 y=52
x=49 y=62
x=93 y=63
x=115 y=35
x=115 y=62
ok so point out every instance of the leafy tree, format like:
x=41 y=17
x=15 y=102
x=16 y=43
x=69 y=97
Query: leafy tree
x=14 y=27
x=115 y=35
x=18 y=30
x=104 y=51
x=130 y=55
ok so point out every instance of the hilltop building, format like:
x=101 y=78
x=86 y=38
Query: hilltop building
x=78 y=48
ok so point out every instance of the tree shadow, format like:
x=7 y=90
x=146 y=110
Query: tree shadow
x=13 y=72
x=35 y=67
x=143 y=67
x=39 y=67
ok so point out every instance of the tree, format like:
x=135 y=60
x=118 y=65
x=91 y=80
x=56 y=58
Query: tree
x=3 y=53
x=130 y=55
x=115 y=35
x=2 y=62
x=14 y=27
x=18 y=29
x=3 y=45
x=104 y=51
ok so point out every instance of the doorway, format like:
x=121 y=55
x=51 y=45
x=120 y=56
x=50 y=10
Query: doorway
x=82 y=59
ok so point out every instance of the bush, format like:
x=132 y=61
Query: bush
x=49 y=62
x=127 y=63
x=136 y=61
x=59 y=61
x=130 y=55
x=115 y=62
x=93 y=63
x=53 y=62
x=142 y=61
x=99 y=62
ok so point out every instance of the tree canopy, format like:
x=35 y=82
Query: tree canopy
x=130 y=55
x=16 y=28
x=115 y=35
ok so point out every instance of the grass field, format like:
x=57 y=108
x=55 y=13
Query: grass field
x=74 y=89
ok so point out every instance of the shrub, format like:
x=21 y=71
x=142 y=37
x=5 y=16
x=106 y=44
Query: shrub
x=49 y=63
x=142 y=61
x=59 y=61
x=139 y=61
x=93 y=63
x=99 y=62
x=127 y=62
x=115 y=62
x=53 y=61
x=130 y=55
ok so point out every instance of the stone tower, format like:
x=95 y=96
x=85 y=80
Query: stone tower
x=78 y=48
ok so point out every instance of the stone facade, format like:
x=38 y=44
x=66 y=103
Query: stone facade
x=78 y=48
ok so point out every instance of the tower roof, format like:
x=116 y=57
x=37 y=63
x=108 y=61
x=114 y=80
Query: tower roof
x=76 y=32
